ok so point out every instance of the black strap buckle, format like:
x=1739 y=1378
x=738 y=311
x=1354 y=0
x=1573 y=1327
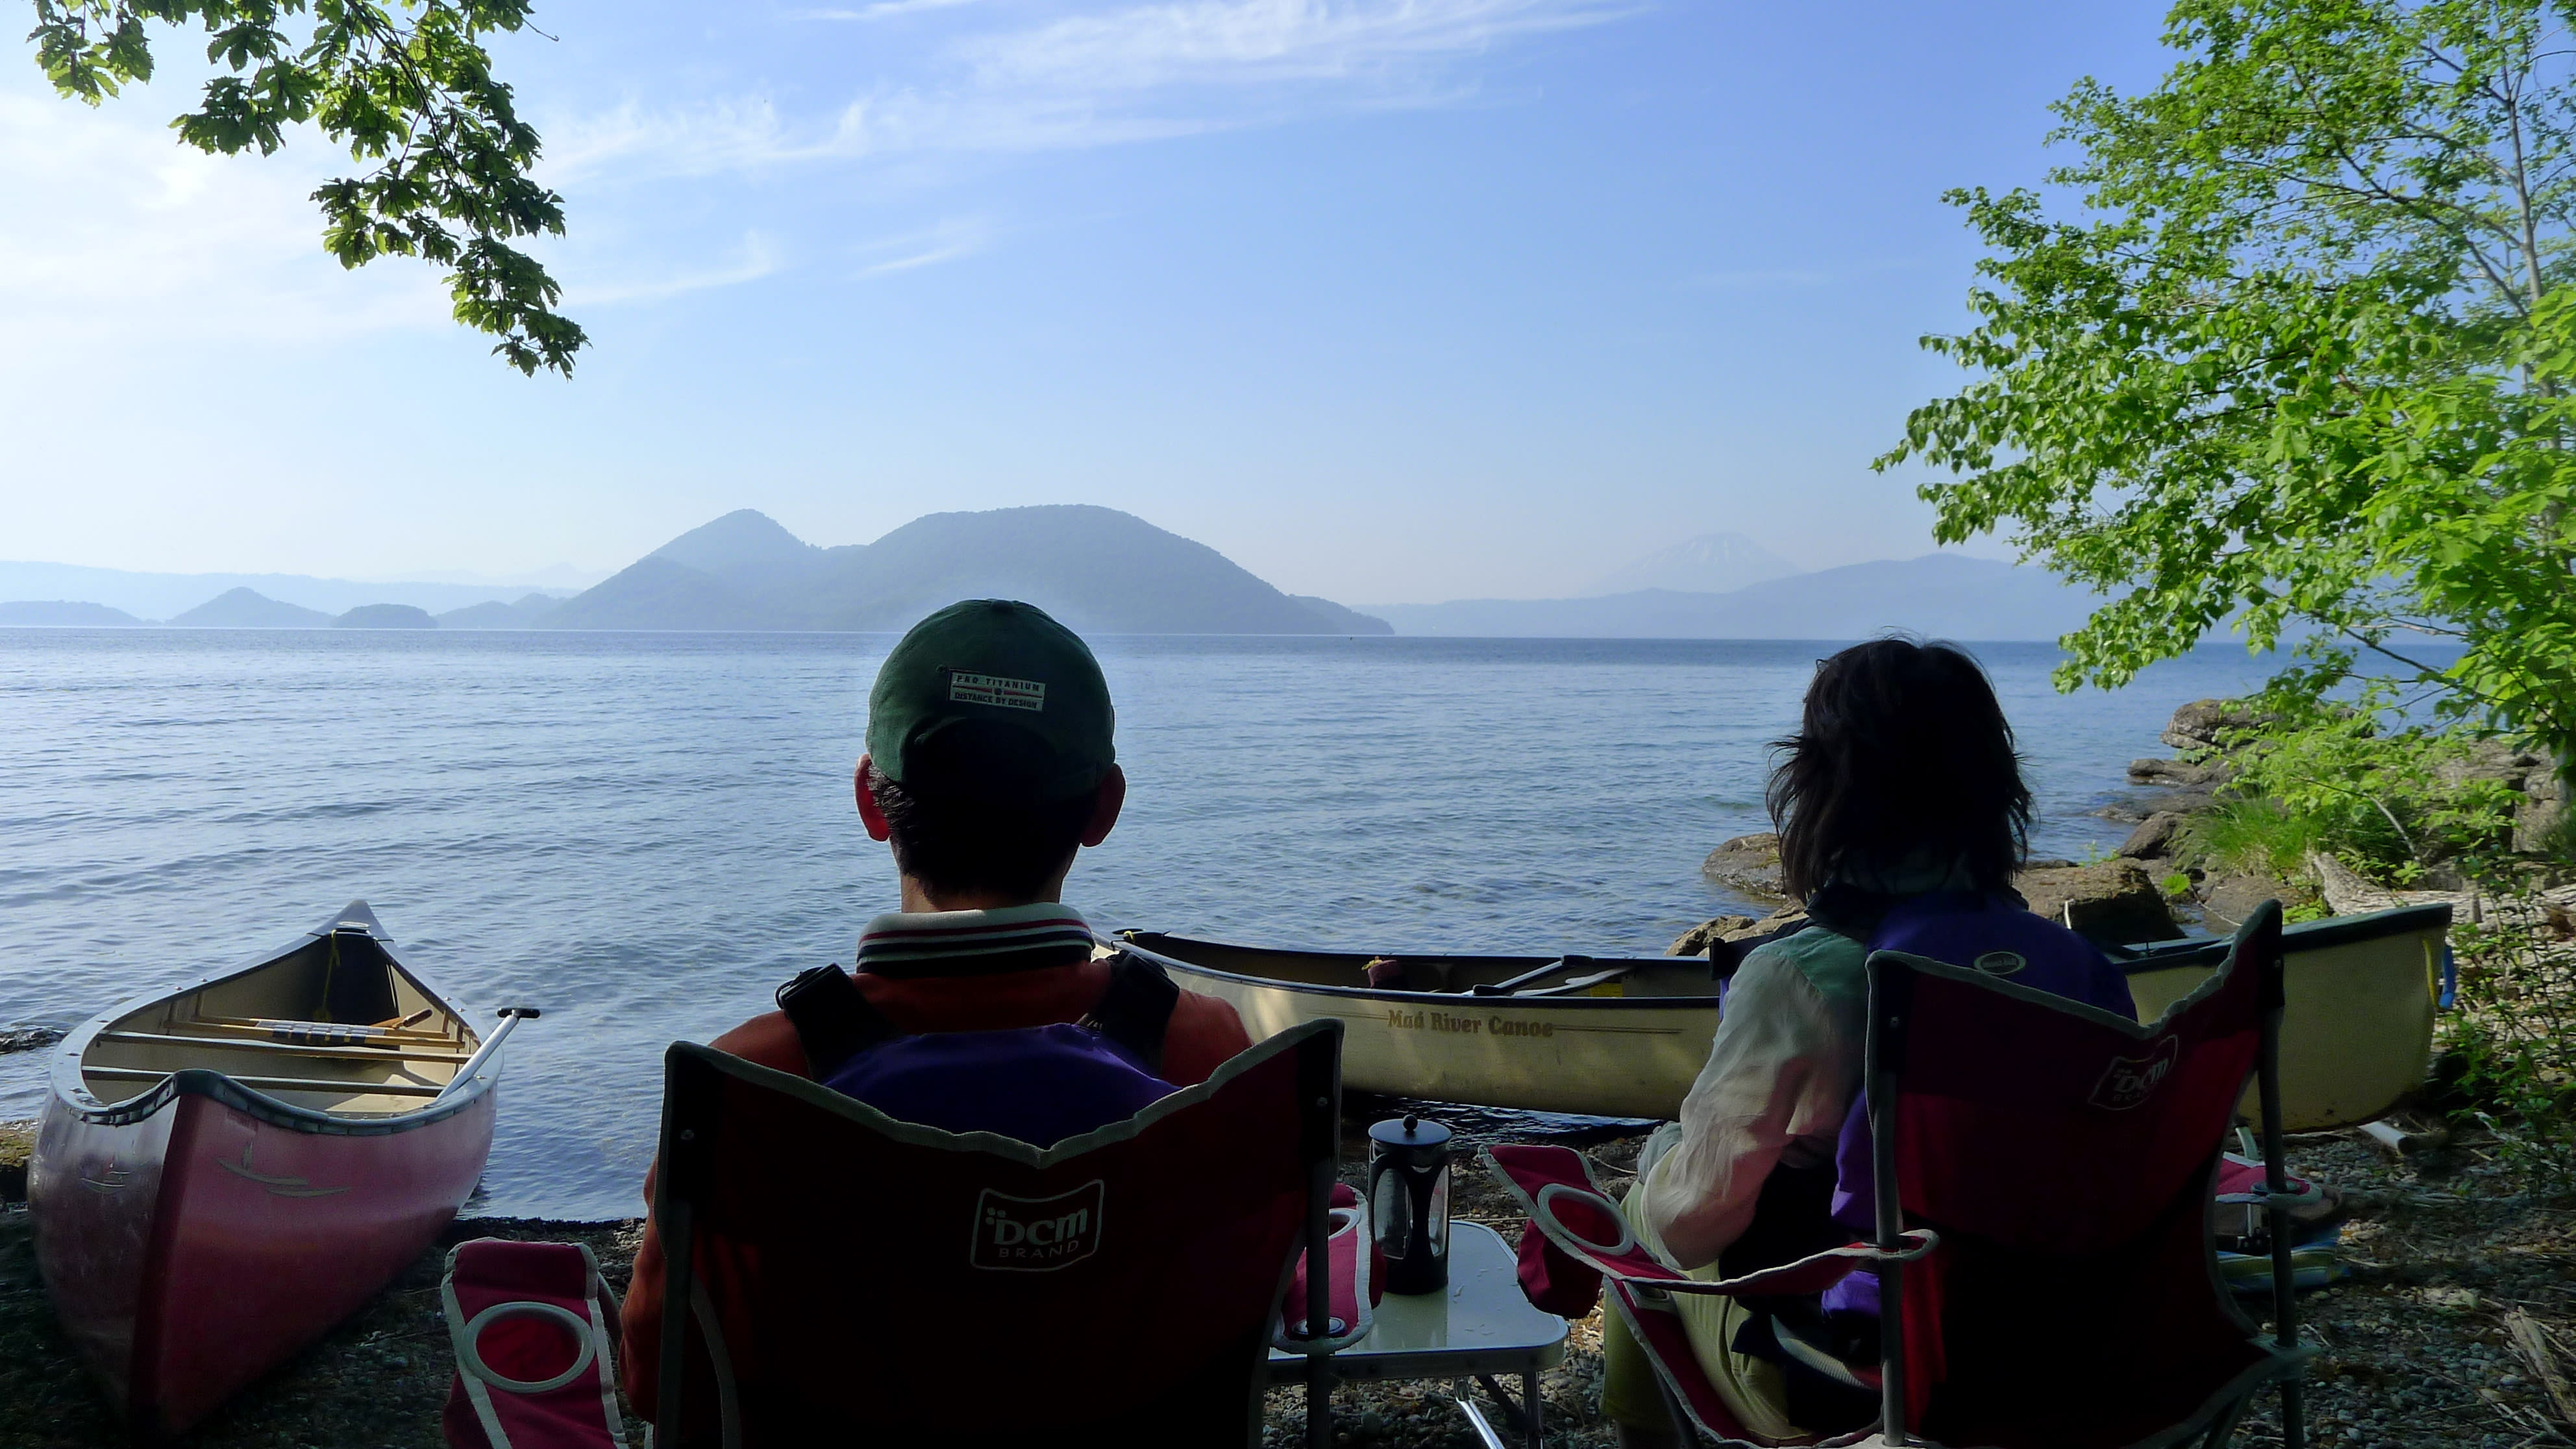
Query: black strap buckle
x=833 y=1019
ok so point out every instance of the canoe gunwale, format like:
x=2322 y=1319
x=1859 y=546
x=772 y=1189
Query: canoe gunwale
x=2132 y=960
x=2304 y=936
x=71 y=1094
x=1411 y=998
x=251 y=1102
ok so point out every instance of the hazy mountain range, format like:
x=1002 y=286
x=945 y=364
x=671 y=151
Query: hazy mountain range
x=1099 y=570
x=1713 y=563
x=164 y=596
x=1942 y=595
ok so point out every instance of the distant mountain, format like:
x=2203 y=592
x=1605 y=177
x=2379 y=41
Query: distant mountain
x=1940 y=595
x=658 y=593
x=1338 y=619
x=563 y=578
x=60 y=613
x=741 y=540
x=159 y=596
x=385 y=616
x=247 y=609
x=1713 y=563
x=520 y=615
x=1098 y=570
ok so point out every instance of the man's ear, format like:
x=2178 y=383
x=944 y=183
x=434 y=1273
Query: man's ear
x=869 y=815
x=1105 y=807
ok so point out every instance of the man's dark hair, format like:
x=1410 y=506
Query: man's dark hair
x=1903 y=751
x=966 y=818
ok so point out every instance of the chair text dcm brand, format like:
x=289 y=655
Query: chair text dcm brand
x=1036 y=1235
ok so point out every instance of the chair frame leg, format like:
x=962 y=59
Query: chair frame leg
x=1319 y=1302
x=2276 y=1182
x=1524 y=1409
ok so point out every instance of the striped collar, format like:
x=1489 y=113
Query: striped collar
x=974 y=943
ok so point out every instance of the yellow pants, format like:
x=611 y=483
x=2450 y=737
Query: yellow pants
x=1629 y=1394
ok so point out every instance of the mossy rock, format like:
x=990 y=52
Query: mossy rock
x=17 y=1144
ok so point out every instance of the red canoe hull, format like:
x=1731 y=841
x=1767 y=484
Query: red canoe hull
x=193 y=1251
x=229 y=1168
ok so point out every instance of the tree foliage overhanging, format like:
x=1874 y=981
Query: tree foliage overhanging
x=407 y=87
x=2303 y=361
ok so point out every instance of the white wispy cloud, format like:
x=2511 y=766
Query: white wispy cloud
x=1117 y=76
x=111 y=228
x=945 y=242
x=1259 y=41
x=756 y=257
x=882 y=10
x=105 y=216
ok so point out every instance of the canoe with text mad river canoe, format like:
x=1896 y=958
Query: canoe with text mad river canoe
x=1624 y=1036
x=227 y=1169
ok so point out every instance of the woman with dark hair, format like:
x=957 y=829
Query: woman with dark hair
x=1903 y=817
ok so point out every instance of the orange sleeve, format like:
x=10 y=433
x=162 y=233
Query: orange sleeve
x=1203 y=1034
x=769 y=1040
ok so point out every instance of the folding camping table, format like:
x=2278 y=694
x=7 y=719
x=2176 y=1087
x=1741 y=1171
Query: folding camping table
x=1479 y=1327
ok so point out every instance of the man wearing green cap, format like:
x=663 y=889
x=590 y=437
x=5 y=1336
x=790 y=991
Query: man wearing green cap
x=989 y=767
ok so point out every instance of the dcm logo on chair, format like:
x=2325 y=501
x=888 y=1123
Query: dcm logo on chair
x=2130 y=1081
x=1036 y=1235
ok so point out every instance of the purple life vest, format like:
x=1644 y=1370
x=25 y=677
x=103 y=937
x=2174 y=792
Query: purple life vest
x=1038 y=1085
x=1995 y=934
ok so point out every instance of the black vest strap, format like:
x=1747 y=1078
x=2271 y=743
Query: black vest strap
x=833 y=1019
x=1136 y=1010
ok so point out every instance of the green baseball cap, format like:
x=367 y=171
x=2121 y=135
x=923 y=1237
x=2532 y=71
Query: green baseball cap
x=1015 y=674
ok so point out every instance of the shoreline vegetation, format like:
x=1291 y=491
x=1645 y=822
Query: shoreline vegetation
x=2455 y=1326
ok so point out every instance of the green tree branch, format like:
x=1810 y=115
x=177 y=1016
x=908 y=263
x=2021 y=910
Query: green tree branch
x=2296 y=363
x=412 y=93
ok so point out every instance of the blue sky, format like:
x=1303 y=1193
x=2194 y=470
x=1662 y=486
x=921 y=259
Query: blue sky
x=1389 y=300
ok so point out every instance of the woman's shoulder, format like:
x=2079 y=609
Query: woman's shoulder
x=1829 y=961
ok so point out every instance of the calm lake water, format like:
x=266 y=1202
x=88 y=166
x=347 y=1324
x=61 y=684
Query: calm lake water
x=645 y=833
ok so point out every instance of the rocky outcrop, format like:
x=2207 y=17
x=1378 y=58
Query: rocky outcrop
x=1697 y=940
x=28 y=1038
x=2180 y=774
x=1748 y=865
x=2540 y=822
x=2154 y=837
x=2200 y=724
x=2493 y=760
x=2111 y=900
x=17 y=1145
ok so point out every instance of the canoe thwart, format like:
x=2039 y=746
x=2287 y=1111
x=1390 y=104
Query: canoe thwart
x=266 y=1027
x=282 y=1084
x=278 y=1048
x=1513 y=984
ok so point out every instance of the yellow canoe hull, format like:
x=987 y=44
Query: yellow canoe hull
x=1628 y=1054
x=2357 y=1030
x=2357 y=1035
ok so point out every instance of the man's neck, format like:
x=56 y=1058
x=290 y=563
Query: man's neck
x=920 y=899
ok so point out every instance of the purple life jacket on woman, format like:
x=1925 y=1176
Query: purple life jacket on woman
x=1995 y=934
x=1038 y=1084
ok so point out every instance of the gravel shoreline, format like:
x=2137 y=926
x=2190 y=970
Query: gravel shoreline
x=2416 y=1348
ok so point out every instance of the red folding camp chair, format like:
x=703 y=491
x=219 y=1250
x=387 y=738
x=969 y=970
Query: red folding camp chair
x=535 y=1348
x=837 y=1276
x=2044 y=1173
